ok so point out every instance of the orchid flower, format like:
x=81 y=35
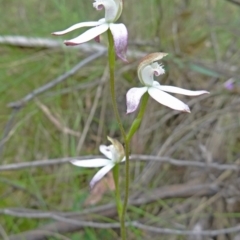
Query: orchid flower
x=114 y=153
x=229 y=84
x=113 y=10
x=147 y=68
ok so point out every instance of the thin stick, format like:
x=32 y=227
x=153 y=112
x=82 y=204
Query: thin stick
x=140 y=226
x=134 y=157
x=36 y=42
x=20 y=103
x=211 y=233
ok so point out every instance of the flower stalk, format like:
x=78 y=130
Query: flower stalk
x=122 y=208
x=117 y=190
x=111 y=61
x=137 y=121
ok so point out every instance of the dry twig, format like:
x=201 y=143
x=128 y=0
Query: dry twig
x=20 y=103
x=79 y=220
x=56 y=122
x=134 y=157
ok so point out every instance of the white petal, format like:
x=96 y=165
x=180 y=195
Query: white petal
x=156 y=84
x=76 y=26
x=100 y=174
x=88 y=35
x=91 y=163
x=167 y=100
x=133 y=98
x=120 y=36
x=182 y=91
x=105 y=150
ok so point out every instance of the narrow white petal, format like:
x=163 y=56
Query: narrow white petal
x=76 y=26
x=105 y=150
x=167 y=100
x=88 y=35
x=133 y=98
x=182 y=91
x=100 y=174
x=91 y=163
x=120 y=36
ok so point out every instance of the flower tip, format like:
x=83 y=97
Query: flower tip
x=131 y=109
x=187 y=109
x=73 y=162
x=91 y=185
x=56 y=33
x=128 y=111
x=68 y=43
x=123 y=57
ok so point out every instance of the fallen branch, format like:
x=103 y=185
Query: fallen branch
x=60 y=126
x=175 y=162
x=20 y=103
x=67 y=225
x=85 y=218
x=37 y=235
x=36 y=42
x=211 y=233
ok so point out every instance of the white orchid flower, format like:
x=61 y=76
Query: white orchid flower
x=147 y=68
x=114 y=153
x=113 y=10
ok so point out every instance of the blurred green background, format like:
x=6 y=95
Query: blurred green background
x=202 y=39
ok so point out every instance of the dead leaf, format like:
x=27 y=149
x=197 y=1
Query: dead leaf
x=104 y=185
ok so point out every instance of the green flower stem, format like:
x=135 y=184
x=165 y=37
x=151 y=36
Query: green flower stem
x=134 y=127
x=137 y=121
x=111 y=60
x=117 y=191
x=127 y=137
